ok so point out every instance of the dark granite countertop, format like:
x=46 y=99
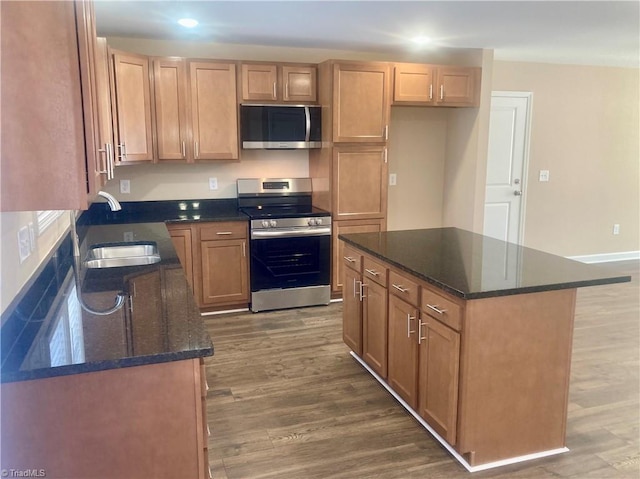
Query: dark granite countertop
x=473 y=266
x=53 y=329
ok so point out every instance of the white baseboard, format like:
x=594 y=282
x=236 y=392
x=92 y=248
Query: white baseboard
x=607 y=257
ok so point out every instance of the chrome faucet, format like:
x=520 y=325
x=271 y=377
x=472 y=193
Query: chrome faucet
x=113 y=203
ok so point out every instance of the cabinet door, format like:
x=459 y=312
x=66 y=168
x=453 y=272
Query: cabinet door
x=360 y=102
x=148 y=332
x=438 y=377
x=259 y=82
x=359 y=182
x=224 y=272
x=403 y=350
x=413 y=84
x=374 y=327
x=170 y=88
x=214 y=111
x=299 y=83
x=133 y=107
x=181 y=238
x=352 y=310
x=347 y=227
x=457 y=87
x=43 y=163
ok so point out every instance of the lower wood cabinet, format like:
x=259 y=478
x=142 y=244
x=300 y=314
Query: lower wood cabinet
x=214 y=256
x=374 y=315
x=352 y=310
x=129 y=423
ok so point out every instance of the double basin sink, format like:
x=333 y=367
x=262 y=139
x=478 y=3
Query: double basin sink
x=114 y=255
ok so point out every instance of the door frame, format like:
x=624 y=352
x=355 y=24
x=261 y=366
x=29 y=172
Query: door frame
x=528 y=95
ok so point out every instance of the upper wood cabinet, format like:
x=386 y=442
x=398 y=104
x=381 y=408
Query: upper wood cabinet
x=132 y=95
x=214 y=112
x=195 y=107
x=360 y=102
x=419 y=84
x=278 y=82
x=46 y=100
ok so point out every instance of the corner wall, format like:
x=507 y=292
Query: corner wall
x=585 y=130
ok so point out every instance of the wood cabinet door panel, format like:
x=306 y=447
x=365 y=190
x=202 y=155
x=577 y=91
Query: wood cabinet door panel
x=457 y=86
x=148 y=331
x=133 y=106
x=403 y=350
x=360 y=102
x=259 y=82
x=224 y=272
x=352 y=310
x=404 y=287
x=43 y=137
x=360 y=182
x=214 y=111
x=299 y=83
x=438 y=377
x=413 y=84
x=374 y=327
x=182 y=241
x=170 y=78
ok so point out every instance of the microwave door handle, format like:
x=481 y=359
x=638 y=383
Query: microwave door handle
x=307 y=116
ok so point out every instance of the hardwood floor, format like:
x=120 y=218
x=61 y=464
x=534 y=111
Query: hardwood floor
x=287 y=400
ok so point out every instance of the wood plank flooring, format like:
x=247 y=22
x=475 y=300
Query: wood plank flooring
x=287 y=400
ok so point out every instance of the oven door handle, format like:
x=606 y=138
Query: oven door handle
x=290 y=233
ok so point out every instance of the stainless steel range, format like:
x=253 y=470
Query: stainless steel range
x=290 y=243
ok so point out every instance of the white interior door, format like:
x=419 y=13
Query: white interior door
x=506 y=165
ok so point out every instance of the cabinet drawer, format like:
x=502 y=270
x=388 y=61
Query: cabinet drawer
x=352 y=258
x=223 y=231
x=374 y=270
x=441 y=308
x=403 y=287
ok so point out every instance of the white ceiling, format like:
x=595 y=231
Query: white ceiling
x=572 y=32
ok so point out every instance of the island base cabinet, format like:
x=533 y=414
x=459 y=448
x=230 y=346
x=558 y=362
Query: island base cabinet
x=374 y=327
x=128 y=423
x=352 y=310
x=514 y=375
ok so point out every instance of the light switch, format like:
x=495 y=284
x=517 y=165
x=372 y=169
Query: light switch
x=544 y=175
x=213 y=183
x=393 y=179
x=125 y=187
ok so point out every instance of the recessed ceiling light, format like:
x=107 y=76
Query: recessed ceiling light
x=421 y=39
x=188 y=22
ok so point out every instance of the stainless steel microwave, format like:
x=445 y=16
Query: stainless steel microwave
x=280 y=127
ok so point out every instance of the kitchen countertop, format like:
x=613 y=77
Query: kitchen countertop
x=473 y=266
x=49 y=329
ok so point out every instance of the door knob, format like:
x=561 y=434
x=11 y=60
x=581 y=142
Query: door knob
x=516 y=181
x=517 y=193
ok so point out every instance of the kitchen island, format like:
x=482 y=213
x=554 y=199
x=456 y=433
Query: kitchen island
x=472 y=335
x=102 y=369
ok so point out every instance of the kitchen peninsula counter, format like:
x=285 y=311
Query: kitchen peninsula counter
x=470 y=334
x=97 y=391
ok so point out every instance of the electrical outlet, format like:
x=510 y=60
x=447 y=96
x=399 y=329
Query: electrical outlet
x=616 y=229
x=128 y=236
x=544 y=175
x=125 y=187
x=23 y=243
x=393 y=179
x=213 y=183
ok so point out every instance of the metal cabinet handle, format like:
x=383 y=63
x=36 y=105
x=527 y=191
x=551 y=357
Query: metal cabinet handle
x=123 y=152
x=409 y=330
x=105 y=160
x=275 y=94
x=431 y=92
x=196 y=149
x=286 y=91
x=354 y=286
x=372 y=272
x=349 y=259
x=385 y=155
x=386 y=132
x=420 y=338
x=224 y=233
x=244 y=249
x=184 y=149
x=436 y=309
x=110 y=161
x=362 y=286
x=442 y=92
x=400 y=288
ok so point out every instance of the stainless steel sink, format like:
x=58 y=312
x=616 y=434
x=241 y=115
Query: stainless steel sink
x=114 y=255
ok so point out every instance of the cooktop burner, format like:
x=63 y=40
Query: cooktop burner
x=290 y=211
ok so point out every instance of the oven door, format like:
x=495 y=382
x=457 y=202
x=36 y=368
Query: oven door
x=290 y=262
